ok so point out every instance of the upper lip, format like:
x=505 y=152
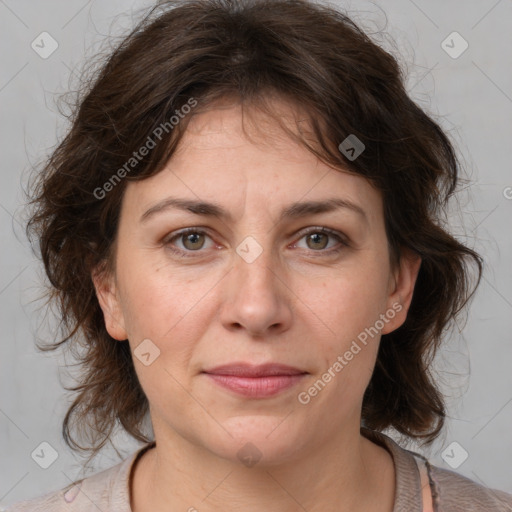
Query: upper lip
x=249 y=370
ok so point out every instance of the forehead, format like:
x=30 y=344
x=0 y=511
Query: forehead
x=231 y=155
x=229 y=124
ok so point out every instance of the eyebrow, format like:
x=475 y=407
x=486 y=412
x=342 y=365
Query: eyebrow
x=293 y=211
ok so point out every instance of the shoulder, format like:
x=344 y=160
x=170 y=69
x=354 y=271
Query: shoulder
x=454 y=492
x=92 y=493
x=450 y=491
x=107 y=491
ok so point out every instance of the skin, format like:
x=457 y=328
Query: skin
x=295 y=304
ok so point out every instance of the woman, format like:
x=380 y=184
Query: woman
x=243 y=231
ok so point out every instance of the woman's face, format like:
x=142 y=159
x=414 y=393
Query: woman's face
x=290 y=266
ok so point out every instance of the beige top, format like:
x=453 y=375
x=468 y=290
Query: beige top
x=419 y=487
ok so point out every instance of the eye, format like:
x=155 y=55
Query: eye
x=317 y=239
x=191 y=240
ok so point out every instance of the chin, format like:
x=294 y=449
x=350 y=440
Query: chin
x=265 y=440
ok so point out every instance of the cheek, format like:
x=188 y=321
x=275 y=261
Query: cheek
x=349 y=347
x=169 y=307
x=156 y=297
x=346 y=308
x=162 y=307
x=351 y=300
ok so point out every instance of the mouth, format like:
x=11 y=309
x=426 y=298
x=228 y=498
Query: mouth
x=256 y=381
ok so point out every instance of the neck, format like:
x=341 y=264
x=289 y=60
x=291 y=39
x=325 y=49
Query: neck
x=351 y=471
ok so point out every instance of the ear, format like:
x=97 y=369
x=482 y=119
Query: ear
x=401 y=289
x=108 y=298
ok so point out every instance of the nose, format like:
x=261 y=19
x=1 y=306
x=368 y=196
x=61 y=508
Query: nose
x=257 y=299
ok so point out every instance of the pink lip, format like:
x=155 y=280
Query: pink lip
x=249 y=370
x=256 y=381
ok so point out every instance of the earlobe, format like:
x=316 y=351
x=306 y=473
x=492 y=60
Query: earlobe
x=402 y=289
x=106 y=292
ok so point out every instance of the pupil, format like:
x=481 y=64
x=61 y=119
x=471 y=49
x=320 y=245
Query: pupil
x=192 y=238
x=315 y=238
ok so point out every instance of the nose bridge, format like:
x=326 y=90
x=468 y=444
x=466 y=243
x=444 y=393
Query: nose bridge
x=258 y=299
x=255 y=269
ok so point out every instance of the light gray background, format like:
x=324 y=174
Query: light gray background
x=471 y=96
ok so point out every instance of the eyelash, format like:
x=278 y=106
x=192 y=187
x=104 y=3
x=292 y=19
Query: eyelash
x=334 y=234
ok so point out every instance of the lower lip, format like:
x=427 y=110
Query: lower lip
x=257 y=387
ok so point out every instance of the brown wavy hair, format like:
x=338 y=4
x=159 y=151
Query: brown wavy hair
x=314 y=57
